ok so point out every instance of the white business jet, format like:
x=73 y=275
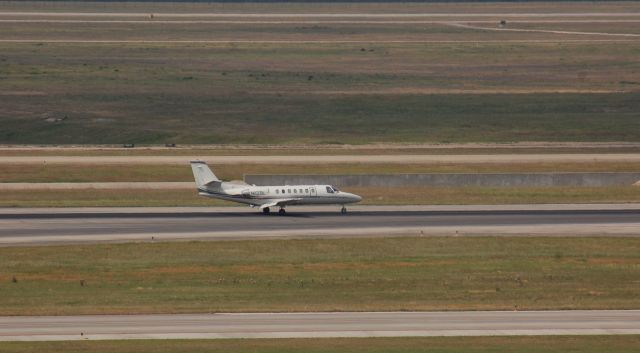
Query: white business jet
x=265 y=197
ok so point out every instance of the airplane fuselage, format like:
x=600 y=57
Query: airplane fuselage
x=268 y=196
x=261 y=195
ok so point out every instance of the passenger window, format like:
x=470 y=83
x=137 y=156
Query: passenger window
x=295 y=191
x=283 y=191
x=329 y=190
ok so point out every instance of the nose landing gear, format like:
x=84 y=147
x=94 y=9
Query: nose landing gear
x=343 y=210
x=282 y=212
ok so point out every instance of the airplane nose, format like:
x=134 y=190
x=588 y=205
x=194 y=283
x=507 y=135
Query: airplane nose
x=356 y=198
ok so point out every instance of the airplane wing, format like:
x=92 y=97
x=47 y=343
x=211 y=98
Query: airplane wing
x=280 y=202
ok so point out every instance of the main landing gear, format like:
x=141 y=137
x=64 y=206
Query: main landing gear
x=267 y=211
x=343 y=210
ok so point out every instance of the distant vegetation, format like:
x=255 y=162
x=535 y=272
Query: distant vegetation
x=155 y=94
x=333 y=83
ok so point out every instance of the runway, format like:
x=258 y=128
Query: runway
x=302 y=325
x=318 y=15
x=335 y=159
x=59 y=226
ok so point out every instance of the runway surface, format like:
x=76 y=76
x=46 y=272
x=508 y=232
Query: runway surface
x=289 y=325
x=42 y=226
x=313 y=159
x=145 y=15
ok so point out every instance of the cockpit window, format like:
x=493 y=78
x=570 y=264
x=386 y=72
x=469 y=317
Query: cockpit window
x=329 y=189
x=335 y=189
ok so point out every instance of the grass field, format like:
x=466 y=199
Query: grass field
x=29 y=173
x=334 y=149
x=441 y=273
x=464 y=89
x=371 y=196
x=318 y=7
x=537 y=344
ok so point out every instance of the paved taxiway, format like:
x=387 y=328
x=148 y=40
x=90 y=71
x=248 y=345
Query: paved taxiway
x=315 y=159
x=345 y=324
x=42 y=226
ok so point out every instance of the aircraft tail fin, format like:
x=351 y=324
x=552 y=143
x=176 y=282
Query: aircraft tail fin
x=203 y=175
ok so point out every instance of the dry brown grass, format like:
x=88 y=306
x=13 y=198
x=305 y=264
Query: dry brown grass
x=480 y=88
x=283 y=150
x=371 y=195
x=517 y=344
x=377 y=274
x=325 y=7
x=174 y=173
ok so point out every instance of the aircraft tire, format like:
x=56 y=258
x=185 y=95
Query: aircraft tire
x=266 y=210
x=282 y=212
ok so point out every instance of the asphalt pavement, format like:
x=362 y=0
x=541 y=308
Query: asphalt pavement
x=343 y=324
x=55 y=226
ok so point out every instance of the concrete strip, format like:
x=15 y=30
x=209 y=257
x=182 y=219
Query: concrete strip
x=583 y=179
x=309 y=325
x=396 y=159
x=27 y=227
x=350 y=22
x=106 y=185
x=577 y=230
x=319 y=15
x=11 y=211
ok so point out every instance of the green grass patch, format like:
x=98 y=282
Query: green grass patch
x=386 y=274
x=520 y=344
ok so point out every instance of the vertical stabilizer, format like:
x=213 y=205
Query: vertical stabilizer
x=202 y=174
